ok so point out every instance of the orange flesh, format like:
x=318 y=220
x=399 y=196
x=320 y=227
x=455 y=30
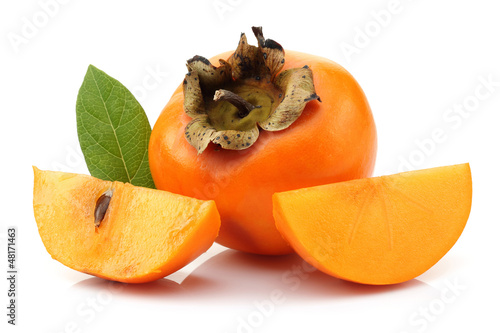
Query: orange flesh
x=382 y=230
x=145 y=234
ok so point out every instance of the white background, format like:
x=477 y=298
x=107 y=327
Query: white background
x=417 y=66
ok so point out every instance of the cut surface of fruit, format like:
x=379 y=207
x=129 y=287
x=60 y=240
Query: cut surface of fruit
x=118 y=231
x=381 y=230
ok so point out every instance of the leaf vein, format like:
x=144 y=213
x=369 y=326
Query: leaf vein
x=114 y=130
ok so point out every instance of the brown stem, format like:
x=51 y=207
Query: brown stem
x=244 y=107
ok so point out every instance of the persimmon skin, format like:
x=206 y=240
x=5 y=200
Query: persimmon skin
x=333 y=140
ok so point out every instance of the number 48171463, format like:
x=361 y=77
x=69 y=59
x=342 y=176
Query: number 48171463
x=11 y=250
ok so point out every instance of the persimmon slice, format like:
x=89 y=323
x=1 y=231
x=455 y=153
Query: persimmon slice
x=118 y=231
x=381 y=230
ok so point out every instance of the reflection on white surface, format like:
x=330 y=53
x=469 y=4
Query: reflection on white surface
x=238 y=292
x=244 y=277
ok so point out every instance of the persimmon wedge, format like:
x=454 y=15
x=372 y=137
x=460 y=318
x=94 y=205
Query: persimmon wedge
x=381 y=230
x=118 y=231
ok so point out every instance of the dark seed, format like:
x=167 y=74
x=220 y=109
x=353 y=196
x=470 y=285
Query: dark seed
x=101 y=207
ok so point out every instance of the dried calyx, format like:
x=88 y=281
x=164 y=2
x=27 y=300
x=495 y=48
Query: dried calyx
x=228 y=104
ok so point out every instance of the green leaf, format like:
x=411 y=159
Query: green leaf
x=113 y=130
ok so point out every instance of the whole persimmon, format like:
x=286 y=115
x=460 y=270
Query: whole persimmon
x=256 y=125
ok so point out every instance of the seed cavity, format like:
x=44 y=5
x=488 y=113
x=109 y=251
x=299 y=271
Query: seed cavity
x=101 y=207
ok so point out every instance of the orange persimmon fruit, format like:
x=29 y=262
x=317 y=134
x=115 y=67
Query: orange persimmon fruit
x=295 y=123
x=118 y=231
x=381 y=230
